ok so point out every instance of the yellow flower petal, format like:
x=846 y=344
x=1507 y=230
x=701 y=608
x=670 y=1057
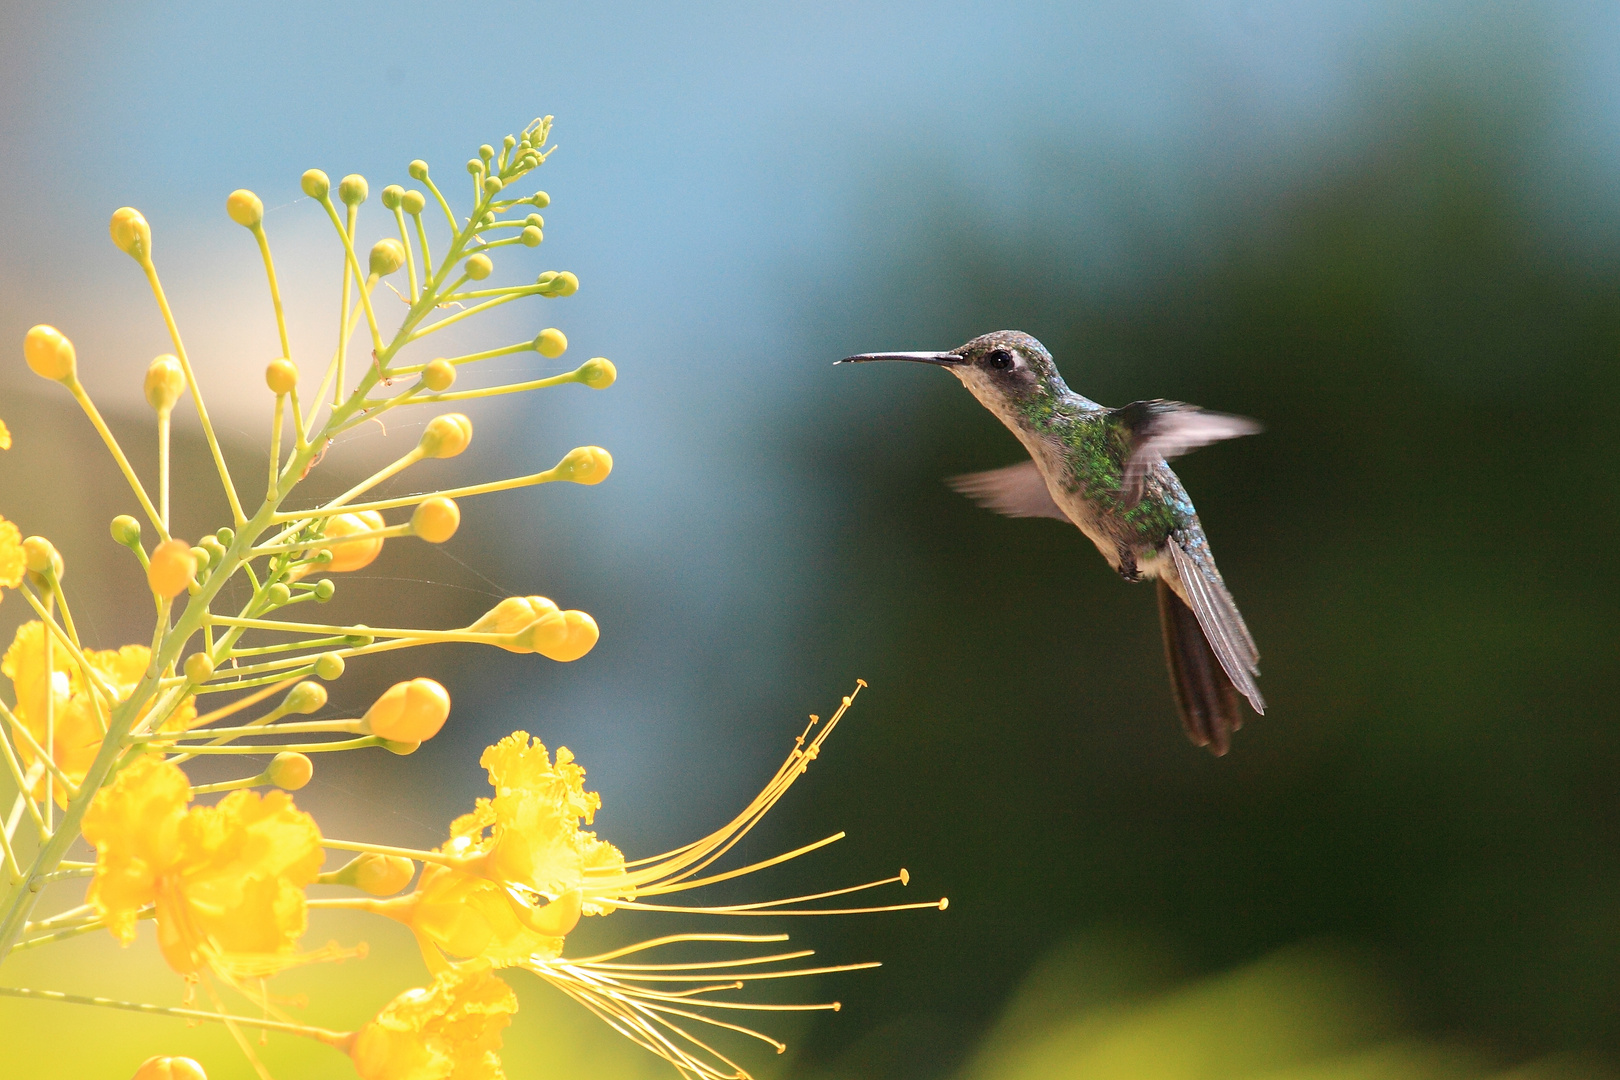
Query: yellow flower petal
x=134 y=825
x=448 y=1031
x=5 y=436
x=78 y=714
x=12 y=562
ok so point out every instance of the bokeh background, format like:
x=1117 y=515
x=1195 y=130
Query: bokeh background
x=1391 y=231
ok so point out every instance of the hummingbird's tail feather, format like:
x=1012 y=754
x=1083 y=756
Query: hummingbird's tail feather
x=1206 y=698
x=1221 y=627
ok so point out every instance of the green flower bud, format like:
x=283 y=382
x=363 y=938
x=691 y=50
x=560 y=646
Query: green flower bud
x=305 y=698
x=387 y=255
x=126 y=531
x=487 y=152
x=165 y=382
x=418 y=169
x=352 y=189
x=200 y=556
x=324 y=590
x=226 y=535
x=412 y=202
x=598 y=373
x=478 y=267
x=359 y=641
x=199 y=668
x=475 y=167
x=492 y=185
x=536 y=220
x=289 y=771
x=509 y=142
x=391 y=196
x=315 y=184
x=215 y=549
x=540 y=199
x=328 y=666
x=438 y=375
x=278 y=594
x=550 y=343
x=487 y=221
x=531 y=235
x=49 y=353
x=566 y=285
x=244 y=207
x=131 y=234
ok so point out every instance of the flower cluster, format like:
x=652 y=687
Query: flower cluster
x=96 y=740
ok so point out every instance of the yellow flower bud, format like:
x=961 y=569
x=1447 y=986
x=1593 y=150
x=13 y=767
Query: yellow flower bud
x=171 y=569
x=352 y=554
x=131 y=234
x=278 y=594
x=550 y=343
x=126 y=530
x=329 y=666
x=382 y=875
x=305 y=698
x=585 y=465
x=540 y=199
x=289 y=771
x=411 y=711
x=564 y=636
x=492 y=185
x=165 y=382
x=536 y=220
x=513 y=614
x=446 y=436
x=401 y=747
x=49 y=353
x=40 y=556
x=391 y=196
x=598 y=373
x=281 y=376
x=315 y=184
x=244 y=207
x=418 y=169
x=387 y=255
x=199 y=668
x=436 y=519
x=169 y=1068
x=566 y=284
x=324 y=589
x=438 y=375
x=478 y=267
x=413 y=202
x=531 y=234
x=352 y=189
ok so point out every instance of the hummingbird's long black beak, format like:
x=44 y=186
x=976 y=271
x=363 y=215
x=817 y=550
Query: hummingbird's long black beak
x=943 y=359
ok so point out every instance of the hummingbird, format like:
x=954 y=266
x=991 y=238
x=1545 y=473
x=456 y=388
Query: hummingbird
x=1104 y=471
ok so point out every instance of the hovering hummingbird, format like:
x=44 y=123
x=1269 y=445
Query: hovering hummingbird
x=1103 y=470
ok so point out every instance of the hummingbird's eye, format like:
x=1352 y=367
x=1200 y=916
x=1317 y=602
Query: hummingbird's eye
x=1001 y=359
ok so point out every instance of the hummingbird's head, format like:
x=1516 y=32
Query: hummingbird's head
x=1003 y=369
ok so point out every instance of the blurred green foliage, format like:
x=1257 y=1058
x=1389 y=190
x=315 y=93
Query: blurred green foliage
x=1421 y=540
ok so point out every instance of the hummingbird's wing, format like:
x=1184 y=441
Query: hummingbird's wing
x=1160 y=430
x=1217 y=613
x=1016 y=491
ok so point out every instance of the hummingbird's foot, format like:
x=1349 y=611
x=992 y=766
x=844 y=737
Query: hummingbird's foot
x=1127 y=565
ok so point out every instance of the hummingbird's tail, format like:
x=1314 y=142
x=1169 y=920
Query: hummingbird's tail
x=1205 y=696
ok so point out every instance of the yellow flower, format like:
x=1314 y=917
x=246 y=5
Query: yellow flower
x=529 y=832
x=12 y=560
x=5 y=436
x=466 y=916
x=448 y=1031
x=227 y=881
x=78 y=713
